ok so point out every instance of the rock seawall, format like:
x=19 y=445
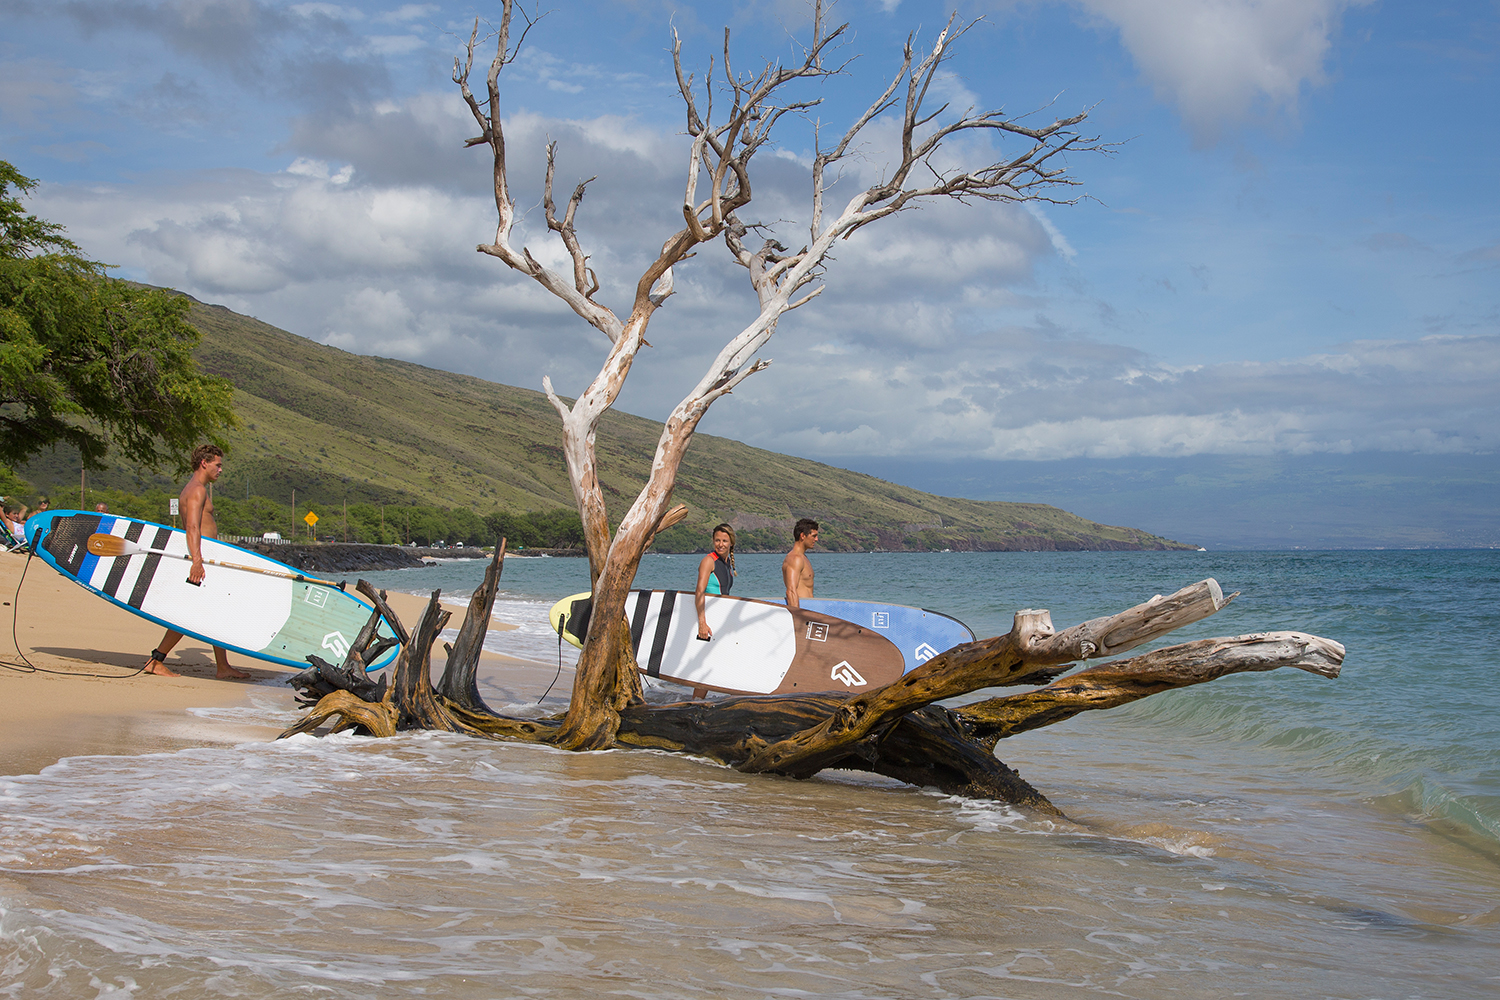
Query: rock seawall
x=343 y=558
x=352 y=557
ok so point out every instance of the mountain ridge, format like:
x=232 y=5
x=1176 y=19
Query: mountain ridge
x=338 y=426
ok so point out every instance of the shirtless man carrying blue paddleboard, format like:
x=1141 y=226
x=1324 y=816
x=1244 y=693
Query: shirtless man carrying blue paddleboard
x=796 y=570
x=198 y=521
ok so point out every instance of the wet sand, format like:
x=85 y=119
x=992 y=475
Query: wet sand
x=87 y=696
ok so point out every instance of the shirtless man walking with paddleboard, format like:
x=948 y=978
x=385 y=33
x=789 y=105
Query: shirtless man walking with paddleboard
x=796 y=570
x=198 y=521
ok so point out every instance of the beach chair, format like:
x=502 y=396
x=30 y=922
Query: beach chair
x=9 y=540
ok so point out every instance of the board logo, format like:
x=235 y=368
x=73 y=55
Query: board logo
x=880 y=619
x=336 y=642
x=818 y=632
x=847 y=675
x=923 y=653
x=318 y=598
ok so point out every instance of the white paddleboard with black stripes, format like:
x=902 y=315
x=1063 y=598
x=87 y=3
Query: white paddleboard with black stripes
x=757 y=648
x=270 y=617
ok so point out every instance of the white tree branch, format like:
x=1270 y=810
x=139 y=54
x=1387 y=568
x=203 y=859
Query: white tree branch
x=752 y=105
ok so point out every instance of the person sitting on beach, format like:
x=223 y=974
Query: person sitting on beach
x=198 y=520
x=796 y=571
x=715 y=574
x=14 y=524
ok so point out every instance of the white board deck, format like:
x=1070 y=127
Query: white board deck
x=752 y=649
x=758 y=647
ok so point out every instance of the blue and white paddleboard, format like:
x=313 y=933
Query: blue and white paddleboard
x=919 y=634
x=278 y=617
x=757 y=648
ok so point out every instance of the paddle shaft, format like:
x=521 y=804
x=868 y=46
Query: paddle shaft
x=114 y=545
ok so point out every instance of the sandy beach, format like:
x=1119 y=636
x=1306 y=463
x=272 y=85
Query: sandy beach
x=87 y=696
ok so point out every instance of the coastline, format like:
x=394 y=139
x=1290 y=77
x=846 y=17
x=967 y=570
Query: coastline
x=70 y=634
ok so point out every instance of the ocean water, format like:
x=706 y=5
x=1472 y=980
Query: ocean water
x=1265 y=835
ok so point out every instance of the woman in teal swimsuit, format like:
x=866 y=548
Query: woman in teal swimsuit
x=715 y=574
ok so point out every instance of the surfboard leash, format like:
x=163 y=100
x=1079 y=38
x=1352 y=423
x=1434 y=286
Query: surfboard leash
x=562 y=621
x=32 y=668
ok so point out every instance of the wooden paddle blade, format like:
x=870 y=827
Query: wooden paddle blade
x=108 y=545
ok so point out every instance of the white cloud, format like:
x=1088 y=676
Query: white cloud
x=1221 y=60
x=1022 y=395
x=329 y=10
x=290 y=51
x=366 y=239
x=389 y=45
x=32 y=91
x=318 y=170
x=1059 y=241
x=409 y=12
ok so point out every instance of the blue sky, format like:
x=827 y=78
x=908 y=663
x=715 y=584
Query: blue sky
x=1294 y=252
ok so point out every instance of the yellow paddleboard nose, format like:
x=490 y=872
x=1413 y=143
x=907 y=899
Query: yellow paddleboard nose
x=572 y=621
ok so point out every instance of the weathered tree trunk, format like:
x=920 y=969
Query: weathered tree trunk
x=929 y=747
x=895 y=731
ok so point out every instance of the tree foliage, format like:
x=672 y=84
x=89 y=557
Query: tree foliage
x=13 y=486
x=545 y=529
x=89 y=360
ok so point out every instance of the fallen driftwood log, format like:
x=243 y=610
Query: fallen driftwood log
x=898 y=730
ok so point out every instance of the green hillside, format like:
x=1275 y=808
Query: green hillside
x=339 y=427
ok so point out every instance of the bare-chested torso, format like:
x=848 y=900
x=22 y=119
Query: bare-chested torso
x=210 y=526
x=797 y=571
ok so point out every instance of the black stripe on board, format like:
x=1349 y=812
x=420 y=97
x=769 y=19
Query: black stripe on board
x=659 y=641
x=638 y=620
x=117 y=571
x=148 y=569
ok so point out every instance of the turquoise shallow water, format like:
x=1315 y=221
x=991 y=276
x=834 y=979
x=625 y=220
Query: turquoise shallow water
x=1413 y=715
x=1266 y=835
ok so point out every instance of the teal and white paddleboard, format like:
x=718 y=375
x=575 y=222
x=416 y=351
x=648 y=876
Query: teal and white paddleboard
x=251 y=604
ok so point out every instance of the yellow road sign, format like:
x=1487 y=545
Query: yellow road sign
x=311 y=519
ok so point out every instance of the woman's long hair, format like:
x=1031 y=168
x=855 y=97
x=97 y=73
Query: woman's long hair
x=730 y=532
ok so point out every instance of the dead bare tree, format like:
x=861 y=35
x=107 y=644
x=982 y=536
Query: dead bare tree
x=900 y=730
x=717 y=191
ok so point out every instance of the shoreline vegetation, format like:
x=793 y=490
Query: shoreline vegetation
x=386 y=451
